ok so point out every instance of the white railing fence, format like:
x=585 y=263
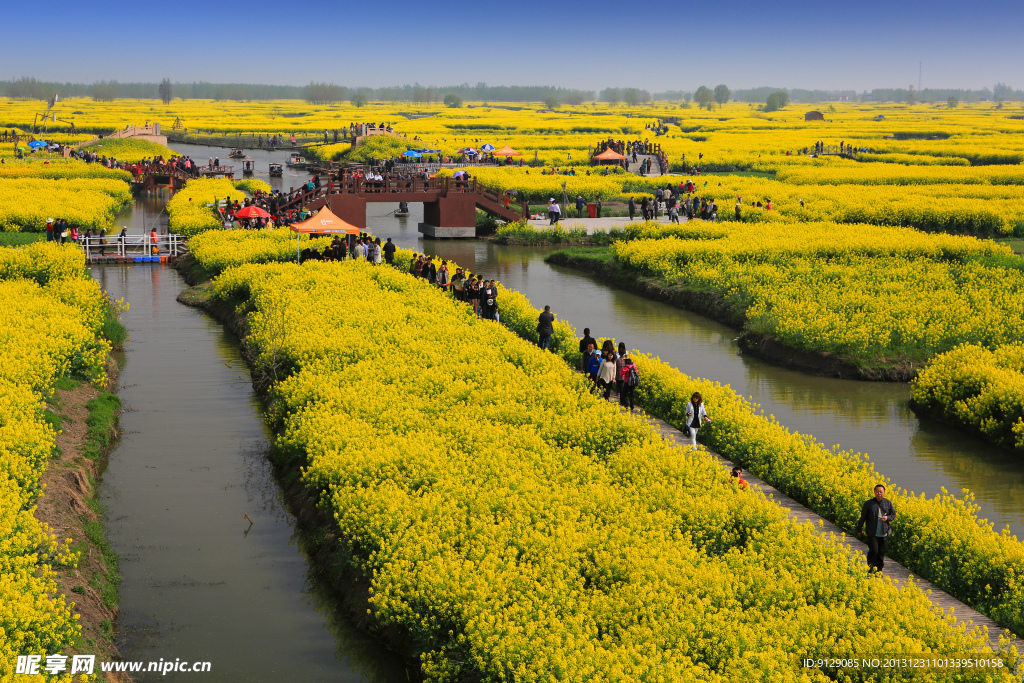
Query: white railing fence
x=133 y=245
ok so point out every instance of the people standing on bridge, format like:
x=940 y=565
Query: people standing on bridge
x=154 y=241
x=389 y=252
x=103 y=241
x=696 y=415
x=876 y=514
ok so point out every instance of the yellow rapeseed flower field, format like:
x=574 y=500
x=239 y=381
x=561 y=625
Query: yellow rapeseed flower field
x=49 y=328
x=516 y=526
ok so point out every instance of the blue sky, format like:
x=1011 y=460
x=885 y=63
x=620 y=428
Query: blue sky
x=657 y=46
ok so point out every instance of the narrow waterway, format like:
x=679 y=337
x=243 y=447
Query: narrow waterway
x=200 y=583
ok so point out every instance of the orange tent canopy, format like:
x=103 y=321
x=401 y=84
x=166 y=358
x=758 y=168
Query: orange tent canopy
x=609 y=155
x=505 y=151
x=325 y=223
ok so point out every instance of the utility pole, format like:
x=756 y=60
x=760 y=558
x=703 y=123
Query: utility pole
x=920 y=68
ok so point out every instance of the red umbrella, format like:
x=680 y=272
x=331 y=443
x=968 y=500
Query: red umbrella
x=252 y=212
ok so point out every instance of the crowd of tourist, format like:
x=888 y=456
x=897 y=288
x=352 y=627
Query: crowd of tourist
x=671 y=202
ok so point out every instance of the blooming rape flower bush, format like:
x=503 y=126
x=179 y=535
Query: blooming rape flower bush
x=516 y=527
x=26 y=203
x=49 y=328
x=871 y=294
x=191 y=211
x=130 y=150
x=980 y=388
x=218 y=250
x=59 y=168
x=252 y=185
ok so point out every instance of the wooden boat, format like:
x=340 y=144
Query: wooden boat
x=296 y=160
x=248 y=167
x=236 y=154
x=276 y=170
x=403 y=210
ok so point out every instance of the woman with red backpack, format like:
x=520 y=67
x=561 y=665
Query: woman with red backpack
x=629 y=378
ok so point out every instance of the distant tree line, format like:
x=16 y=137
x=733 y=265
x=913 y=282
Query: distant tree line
x=327 y=93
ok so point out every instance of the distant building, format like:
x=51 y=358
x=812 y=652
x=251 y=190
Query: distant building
x=814 y=116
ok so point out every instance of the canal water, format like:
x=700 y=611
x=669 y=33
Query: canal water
x=201 y=584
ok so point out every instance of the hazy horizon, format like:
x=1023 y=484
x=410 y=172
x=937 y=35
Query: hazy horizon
x=590 y=46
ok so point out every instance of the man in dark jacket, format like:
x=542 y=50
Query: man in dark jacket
x=876 y=514
x=389 y=251
x=585 y=343
x=546 y=327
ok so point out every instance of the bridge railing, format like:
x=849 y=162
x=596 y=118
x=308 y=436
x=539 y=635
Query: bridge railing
x=141 y=171
x=217 y=170
x=169 y=244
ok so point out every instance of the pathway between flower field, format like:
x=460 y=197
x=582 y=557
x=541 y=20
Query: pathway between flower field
x=893 y=570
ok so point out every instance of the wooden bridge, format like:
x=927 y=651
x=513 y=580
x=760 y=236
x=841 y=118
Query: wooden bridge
x=449 y=205
x=846 y=151
x=151 y=176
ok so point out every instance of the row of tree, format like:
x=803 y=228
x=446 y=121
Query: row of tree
x=328 y=93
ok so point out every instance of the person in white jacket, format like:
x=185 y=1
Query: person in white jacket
x=606 y=375
x=696 y=415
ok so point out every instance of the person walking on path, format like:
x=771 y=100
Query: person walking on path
x=696 y=416
x=585 y=345
x=629 y=378
x=546 y=327
x=593 y=359
x=489 y=299
x=579 y=206
x=876 y=514
x=606 y=375
x=632 y=208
